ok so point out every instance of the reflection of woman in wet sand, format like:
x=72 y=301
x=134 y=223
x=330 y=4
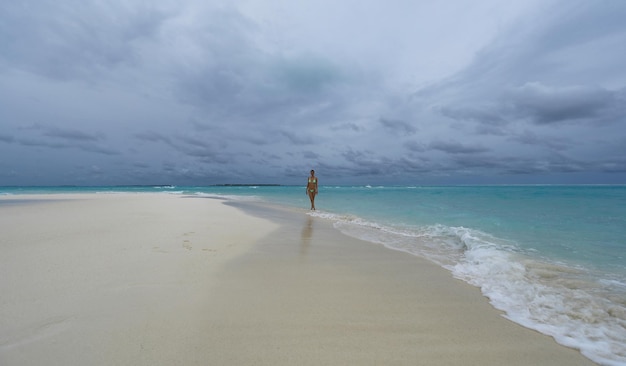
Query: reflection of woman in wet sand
x=311 y=188
x=306 y=235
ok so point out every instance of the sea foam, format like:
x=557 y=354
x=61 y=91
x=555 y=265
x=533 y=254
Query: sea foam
x=578 y=308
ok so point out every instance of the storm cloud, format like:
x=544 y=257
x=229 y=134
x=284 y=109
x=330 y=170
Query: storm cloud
x=195 y=92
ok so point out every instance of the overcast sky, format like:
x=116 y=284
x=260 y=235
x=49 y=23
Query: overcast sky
x=363 y=91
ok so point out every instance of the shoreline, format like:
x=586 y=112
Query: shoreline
x=364 y=304
x=162 y=279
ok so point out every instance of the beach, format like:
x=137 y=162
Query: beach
x=167 y=279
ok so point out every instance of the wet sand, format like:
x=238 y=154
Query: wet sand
x=309 y=295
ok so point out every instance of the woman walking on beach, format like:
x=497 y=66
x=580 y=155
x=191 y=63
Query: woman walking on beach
x=311 y=188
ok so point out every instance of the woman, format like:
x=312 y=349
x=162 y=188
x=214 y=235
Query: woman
x=311 y=188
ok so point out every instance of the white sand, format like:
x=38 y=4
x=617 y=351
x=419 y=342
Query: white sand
x=155 y=279
x=113 y=279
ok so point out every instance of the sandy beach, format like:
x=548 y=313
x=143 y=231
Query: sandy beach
x=161 y=279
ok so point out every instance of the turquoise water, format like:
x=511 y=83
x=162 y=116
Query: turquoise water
x=551 y=257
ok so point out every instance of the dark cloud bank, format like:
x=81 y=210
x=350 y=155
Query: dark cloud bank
x=196 y=93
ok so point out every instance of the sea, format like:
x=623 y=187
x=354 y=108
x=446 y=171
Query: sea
x=550 y=257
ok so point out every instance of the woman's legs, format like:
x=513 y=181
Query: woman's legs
x=312 y=198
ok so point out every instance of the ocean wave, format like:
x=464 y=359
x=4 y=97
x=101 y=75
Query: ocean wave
x=578 y=307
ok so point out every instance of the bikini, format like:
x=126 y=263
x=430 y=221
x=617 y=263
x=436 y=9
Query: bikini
x=314 y=181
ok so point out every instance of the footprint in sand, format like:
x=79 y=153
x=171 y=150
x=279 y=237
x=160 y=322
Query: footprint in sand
x=187 y=243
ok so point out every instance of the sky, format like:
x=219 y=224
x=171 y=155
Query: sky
x=198 y=92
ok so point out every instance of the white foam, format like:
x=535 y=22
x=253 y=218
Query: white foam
x=175 y=192
x=229 y=197
x=564 y=301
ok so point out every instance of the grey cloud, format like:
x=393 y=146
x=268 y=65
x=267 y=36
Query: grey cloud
x=65 y=145
x=347 y=126
x=141 y=165
x=152 y=136
x=63 y=133
x=365 y=162
x=310 y=155
x=368 y=163
x=544 y=104
x=201 y=127
x=63 y=138
x=232 y=90
x=487 y=130
x=550 y=72
x=415 y=146
x=558 y=45
x=416 y=165
x=230 y=70
x=457 y=148
x=397 y=126
x=613 y=166
x=357 y=156
x=71 y=39
x=482 y=162
x=486 y=114
x=35 y=143
x=71 y=134
x=203 y=150
x=297 y=139
x=353 y=170
x=194 y=142
x=562 y=163
x=545 y=166
x=306 y=74
x=519 y=165
x=554 y=143
x=237 y=80
x=243 y=90
x=7 y=139
x=256 y=139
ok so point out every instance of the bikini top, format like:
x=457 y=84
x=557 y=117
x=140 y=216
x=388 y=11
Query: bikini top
x=312 y=180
